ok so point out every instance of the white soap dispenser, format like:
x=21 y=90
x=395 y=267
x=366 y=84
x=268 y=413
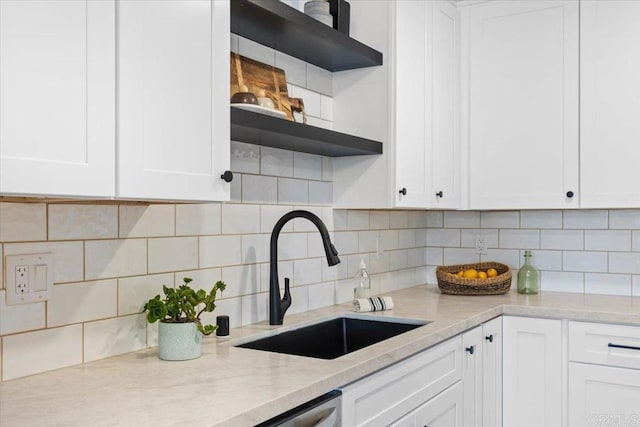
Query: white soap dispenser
x=363 y=282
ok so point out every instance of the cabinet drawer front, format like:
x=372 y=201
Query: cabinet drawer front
x=614 y=345
x=385 y=396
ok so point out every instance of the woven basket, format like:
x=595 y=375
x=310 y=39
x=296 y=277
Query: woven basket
x=454 y=285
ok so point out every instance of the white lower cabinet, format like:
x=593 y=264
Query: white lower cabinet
x=393 y=393
x=532 y=372
x=444 y=410
x=604 y=374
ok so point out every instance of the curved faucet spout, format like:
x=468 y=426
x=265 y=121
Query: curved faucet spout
x=278 y=307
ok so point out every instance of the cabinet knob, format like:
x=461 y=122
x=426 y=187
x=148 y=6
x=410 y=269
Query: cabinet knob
x=403 y=191
x=470 y=349
x=569 y=194
x=489 y=338
x=440 y=194
x=227 y=176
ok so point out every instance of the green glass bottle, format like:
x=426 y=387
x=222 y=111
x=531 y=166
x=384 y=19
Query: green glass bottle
x=528 y=277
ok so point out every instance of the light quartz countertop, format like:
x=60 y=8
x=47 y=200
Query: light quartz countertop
x=240 y=387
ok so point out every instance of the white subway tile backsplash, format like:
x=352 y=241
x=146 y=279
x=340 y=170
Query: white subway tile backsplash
x=417 y=219
x=389 y=239
x=115 y=258
x=367 y=241
x=327 y=169
x=293 y=246
x=322 y=295
x=68 y=257
x=624 y=219
x=198 y=219
x=510 y=257
x=269 y=215
x=346 y=242
x=319 y=80
x=560 y=281
x=320 y=193
x=562 y=239
x=172 y=254
x=434 y=256
x=469 y=237
x=106 y=338
x=339 y=219
x=443 y=237
x=353 y=262
x=307 y=166
x=259 y=189
x=379 y=265
x=231 y=307
x=609 y=284
x=454 y=219
x=255 y=248
x=219 y=251
x=299 y=300
x=81 y=302
x=544 y=260
x=241 y=280
x=435 y=219
x=319 y=123
x=500 y=219
x=236 y=189
x=256 y=51
x=326 y=108
x=595 y=262
x=294 y=68
x=285 y=269
x=399 y=219
x=586 y=219
x=307 y=271
x=303 y=224
x=22 y=353
x=624 y=262
x=398 y=259
x=607 y=240
x=379 y=220
x=21 y=317
x=277 y=162
x=635 y=286
x=292 y=191
x=245 y=158
x=255 y=308
x=73 y=222
x=421 y=237
x=201 y=279
x=240 y=218
x=519 y=239
x=541 y=219
x=312 y=101
x=134 y=292
x=416 y=257
x=21 y=222
x=407 y=238
x=635 y=241
x=146 y=221
x=460 y=256
x=357 y=220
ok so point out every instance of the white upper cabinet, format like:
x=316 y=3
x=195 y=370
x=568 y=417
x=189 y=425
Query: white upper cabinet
x=173 y=99
x=415 y=92
x=523 y=106
x=57 y=98
x=610 y=103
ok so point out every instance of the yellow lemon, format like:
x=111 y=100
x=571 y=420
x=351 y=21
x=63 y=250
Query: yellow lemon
x=482 y=275
x=460 y=273
x=492 y=272
x=470 y=274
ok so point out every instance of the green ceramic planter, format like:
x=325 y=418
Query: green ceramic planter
x=179 y=341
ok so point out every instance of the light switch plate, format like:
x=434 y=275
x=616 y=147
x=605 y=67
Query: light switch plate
x=28 y=278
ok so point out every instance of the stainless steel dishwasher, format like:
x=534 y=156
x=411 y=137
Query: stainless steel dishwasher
x=323 y=411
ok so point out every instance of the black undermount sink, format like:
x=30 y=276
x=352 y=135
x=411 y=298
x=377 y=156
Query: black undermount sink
x=333 y=338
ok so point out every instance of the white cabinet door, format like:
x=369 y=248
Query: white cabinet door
x=445 y=110
x=57 y=98
x=173 y=99
x=609 y=103
x=492 y=373
x=603 y=395
x=425 y=106
x=472 y=376
x=532 y=372
x=523 y=104
x=444 y=410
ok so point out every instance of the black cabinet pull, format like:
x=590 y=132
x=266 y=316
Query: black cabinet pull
x=489 y=338
x=470 y=349
x=569 y=194
x=440 y=194
x=403 y=191
x=628 y=347
x=227 y=176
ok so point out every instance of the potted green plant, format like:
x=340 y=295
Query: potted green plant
x=180 y=330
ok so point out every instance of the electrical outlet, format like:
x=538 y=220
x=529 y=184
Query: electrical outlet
x=29 y=278
x=379 y=250
x=481 y=245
